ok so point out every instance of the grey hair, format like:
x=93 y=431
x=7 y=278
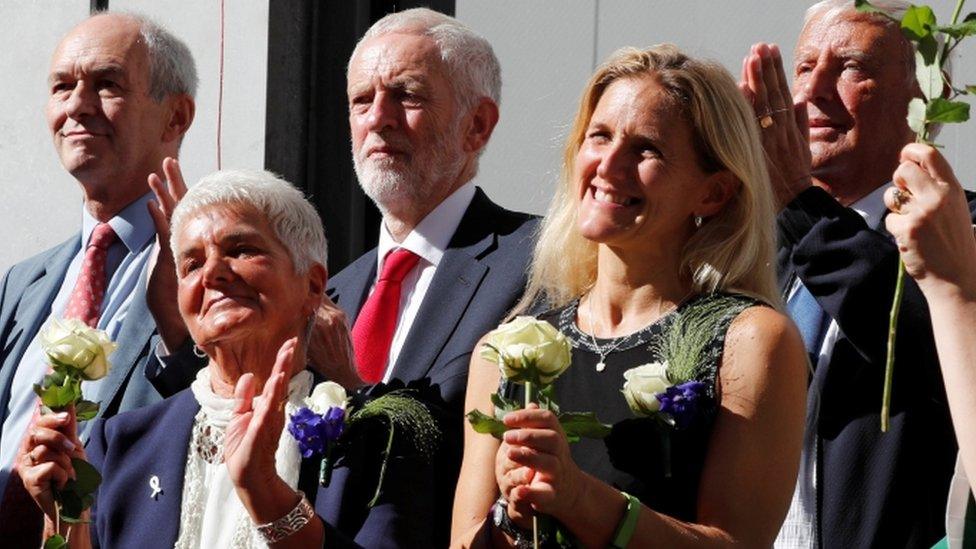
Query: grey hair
x=472 y=67
x=291 y=216
x=171 y=67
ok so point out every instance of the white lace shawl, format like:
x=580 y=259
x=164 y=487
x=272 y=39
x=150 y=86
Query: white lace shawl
x=211 y=515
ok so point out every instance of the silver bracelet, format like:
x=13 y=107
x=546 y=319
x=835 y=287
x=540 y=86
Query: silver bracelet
x=287 y=525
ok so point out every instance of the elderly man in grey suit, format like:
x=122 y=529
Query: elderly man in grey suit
x=423 y=100
x=120 y=99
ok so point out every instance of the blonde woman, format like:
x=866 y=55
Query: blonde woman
x=664 y=210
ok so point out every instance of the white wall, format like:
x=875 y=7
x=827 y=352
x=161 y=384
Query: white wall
x=548 y=49
x=41 y=204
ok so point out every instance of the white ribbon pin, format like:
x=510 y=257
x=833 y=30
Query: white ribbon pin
x=154 y=485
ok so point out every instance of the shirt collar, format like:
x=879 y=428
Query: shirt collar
x=133 y=225
x=872 y=207
x=430 y=238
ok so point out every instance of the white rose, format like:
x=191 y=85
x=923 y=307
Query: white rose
x=73 y=344
x=642 y=386
x=327 y=395
x=541 y=346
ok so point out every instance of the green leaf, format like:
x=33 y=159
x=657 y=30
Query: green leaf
x=929 y=76
x=918 y=22
x=970 y=89
x=72 y=504
x=943 y=111
x=928 y=47
x=56 y=541
x=961 y=30
x=503 y=405
x=485 y=424
x=86 y=409
x=87 y=476
x=916 y=115
x=582 y=424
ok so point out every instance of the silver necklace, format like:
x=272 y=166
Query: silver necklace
x=604 y=353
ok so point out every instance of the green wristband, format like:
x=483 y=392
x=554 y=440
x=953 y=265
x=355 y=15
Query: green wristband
x=628 y=523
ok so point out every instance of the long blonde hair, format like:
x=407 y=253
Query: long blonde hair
x=732 y=250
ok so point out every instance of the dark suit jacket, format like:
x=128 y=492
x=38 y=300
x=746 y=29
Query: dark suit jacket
x=874 y=489
x=477 y=282
x=26 y=295
x=132 y=447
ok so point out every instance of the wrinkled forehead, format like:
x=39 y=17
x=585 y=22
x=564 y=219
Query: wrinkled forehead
x=850 y=31
x=102 y=42
x=394 y=56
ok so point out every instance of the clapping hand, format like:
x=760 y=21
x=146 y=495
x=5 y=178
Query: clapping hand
x=254 y=430
x=162 y=288
x=330 y=349
x=783 y=126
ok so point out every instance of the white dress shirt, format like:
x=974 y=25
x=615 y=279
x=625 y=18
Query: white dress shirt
x=429 y=240
x=799 y=529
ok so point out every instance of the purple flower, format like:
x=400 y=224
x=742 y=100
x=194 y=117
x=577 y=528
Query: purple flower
x=680 y=402
x=315 y=432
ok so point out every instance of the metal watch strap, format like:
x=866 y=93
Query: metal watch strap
x=287 y=525
x=501 y=520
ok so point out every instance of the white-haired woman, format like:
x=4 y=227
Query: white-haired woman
x=663 y=214
x=211 y=466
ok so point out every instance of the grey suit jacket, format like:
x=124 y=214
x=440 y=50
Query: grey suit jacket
x=26 y=294
x=479 y=279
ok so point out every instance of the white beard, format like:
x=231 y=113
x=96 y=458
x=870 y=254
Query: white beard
x=394 y=180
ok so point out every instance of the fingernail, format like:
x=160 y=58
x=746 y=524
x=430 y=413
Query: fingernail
x=62 y=416
x=68 y=445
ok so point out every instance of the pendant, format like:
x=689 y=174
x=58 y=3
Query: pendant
x=600 y=366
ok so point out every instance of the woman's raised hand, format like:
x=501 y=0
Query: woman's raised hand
x=254 y=430
x=535 y=441
x=783 y=126
x=46 y=455
x=162 y=287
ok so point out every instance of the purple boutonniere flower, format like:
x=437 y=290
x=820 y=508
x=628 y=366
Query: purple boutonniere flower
x=680 y=402
x=315 y=432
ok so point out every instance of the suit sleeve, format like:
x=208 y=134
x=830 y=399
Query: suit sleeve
x=851 y=270
x=172 y=373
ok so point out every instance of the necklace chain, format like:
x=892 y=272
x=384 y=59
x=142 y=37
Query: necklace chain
x=591 y=329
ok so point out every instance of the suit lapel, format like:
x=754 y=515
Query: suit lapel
x=350 y=292
x=137 y=329
x=30 y=312
x=455 y=282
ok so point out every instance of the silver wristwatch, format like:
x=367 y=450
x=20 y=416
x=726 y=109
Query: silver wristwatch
x=501 y=520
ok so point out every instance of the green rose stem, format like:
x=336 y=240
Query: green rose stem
x=530 y=397
x=922 y=136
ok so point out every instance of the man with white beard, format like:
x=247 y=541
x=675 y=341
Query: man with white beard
x=423 y=101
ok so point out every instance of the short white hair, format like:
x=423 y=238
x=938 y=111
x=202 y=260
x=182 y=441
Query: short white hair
x=472 y=67
x=291 y=216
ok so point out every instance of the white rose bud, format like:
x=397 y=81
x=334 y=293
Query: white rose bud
x=73 y=344
x=327 y=395
x=540 y=344
x=642 y=386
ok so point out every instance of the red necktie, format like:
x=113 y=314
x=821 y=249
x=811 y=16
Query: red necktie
x=377 y=320
x=21 y=520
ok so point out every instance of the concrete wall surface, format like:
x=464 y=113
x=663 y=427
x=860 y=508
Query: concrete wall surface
x=41 y=205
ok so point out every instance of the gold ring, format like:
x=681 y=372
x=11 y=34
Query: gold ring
x=900 y=198
x=765 y=121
